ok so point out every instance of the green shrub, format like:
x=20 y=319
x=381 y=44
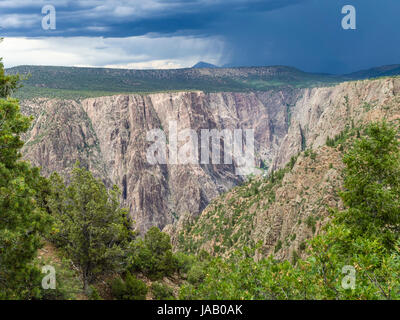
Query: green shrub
x=278 y=246
x=130 y=289
x=293 y=161
x=94 y=294
x=118 y=288
x=196 y=274
x=153 y=256
x=161 y=291
x=295 y=257
x=183 y=262
x=311 y=223
x=330 y=142
x=203 y=255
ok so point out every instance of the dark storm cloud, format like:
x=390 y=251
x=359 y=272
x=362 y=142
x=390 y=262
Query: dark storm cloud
x=303 y=33
x=112 y=18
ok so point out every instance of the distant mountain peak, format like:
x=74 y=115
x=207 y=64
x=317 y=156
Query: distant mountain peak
x=203 y=64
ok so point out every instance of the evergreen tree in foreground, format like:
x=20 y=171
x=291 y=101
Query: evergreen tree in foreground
x=21 y=219
x=372 y=185
x=90 y=226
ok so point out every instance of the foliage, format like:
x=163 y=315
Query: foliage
x=94 y=293
x=130 y=289
x=372 y=185
x=184 y=262
x=196 y=274
x=89 y=226
x=22 y=221
x=152 y=255
x=161 y=291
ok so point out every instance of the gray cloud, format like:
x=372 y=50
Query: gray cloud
x=303 y=33
x=131 y=52
x=127 y=18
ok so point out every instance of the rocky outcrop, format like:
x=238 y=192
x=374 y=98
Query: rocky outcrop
x=325 y=112
x=108 y=136
x=282 y=213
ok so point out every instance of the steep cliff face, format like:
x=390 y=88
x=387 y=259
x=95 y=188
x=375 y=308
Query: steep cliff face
x=283 y=212
x=325 y=112
x=108 y=135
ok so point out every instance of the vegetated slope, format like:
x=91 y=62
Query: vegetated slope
x=74 y=82
x=383 y=71
x=71 y=82
x=281 y=212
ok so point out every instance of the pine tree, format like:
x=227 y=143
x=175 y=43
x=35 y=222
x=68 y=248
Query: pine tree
x=90 y=225
x=372 y=184
x=22 y=221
